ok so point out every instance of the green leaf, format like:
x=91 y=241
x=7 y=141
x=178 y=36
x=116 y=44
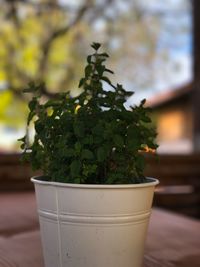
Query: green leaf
x=88 y=70
x=79 y=129
x=114 y=178
x=103 y=55
x=96 y=46
x=133 y=144
x=69 y=152
x=101 y=154
x=32 y=104
x=97 y=140
x=30 y=116
x=78 y=147
x=87 y=154
x=39 y=126
x=110 y=71
x=33 y=88
x=151 y=144
x=81 y=82
x=51 y=103
x=89 y=169
x=100 y=69
x=98 y=130
x=146 y=119
x=77 y=180
x=143 y=102
x=140 y=162
x=106 y=79
x=133 y=132
x=75 y=168
x=22 y=146
x=22 y=139
x=30 y=89
x=89 y=59
x=88 y=140
x=118 y=140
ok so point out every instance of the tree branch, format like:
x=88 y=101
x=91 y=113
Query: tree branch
x=60 y=32
x=43 y=6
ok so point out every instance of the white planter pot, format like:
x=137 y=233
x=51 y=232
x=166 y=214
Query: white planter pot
x=93 y=225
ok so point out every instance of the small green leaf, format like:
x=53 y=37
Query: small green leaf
x=133 y=144
x=140 y=162
x=82 y=81
x=86 y=154
x=30 y=117
x=89 y=169
x=110 y=71
x=98 y=130
x=96 y=46
x=22 y=146
x=88 y=70
x=75 y=168
x=77 y=180
x=100 y=69
x=22 y=139
x=68 y=152
x=79 y=129
x=115 y=178
x=133 y=132
x=106 y=79
x=32 y=104
x=39 y=126
x=101 y=154
x=30 y=89
x=89 y=59
x=146 y=119
x=143 y=102
x=118 y=140
x=78 y=147
x=88 y=140
x=103 y=55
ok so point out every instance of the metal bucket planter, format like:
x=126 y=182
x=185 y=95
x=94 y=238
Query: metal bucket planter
x=93 y=225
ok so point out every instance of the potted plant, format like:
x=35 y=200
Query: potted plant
x=94 y=201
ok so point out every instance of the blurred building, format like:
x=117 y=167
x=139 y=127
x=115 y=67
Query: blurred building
x=173 y=114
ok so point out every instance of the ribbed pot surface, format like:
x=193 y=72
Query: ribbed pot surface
x=93 y=225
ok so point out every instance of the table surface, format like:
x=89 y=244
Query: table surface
x=172 y=240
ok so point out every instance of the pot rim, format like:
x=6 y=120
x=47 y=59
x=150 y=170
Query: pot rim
x=152 y=182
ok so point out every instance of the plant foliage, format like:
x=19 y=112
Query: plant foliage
x=91 y=138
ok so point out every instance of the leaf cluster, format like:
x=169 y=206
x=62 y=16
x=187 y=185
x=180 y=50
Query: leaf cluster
x=91 y=138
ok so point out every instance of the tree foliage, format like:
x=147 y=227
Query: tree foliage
x=47 y=40
x=90 y=138
x=39 y=41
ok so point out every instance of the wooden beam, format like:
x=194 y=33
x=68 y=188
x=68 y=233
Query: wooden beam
x=196 y=71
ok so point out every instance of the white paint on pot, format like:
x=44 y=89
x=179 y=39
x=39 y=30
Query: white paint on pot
x=93 y=225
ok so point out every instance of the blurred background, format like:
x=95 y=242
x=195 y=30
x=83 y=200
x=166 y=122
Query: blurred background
x=155 y=52
x=150 y=43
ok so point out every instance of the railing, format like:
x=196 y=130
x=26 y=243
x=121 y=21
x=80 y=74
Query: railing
x=14 y=175
x=179 y=176
x=179 y=187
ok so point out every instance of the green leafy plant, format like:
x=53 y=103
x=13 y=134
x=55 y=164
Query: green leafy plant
x=91 y=138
